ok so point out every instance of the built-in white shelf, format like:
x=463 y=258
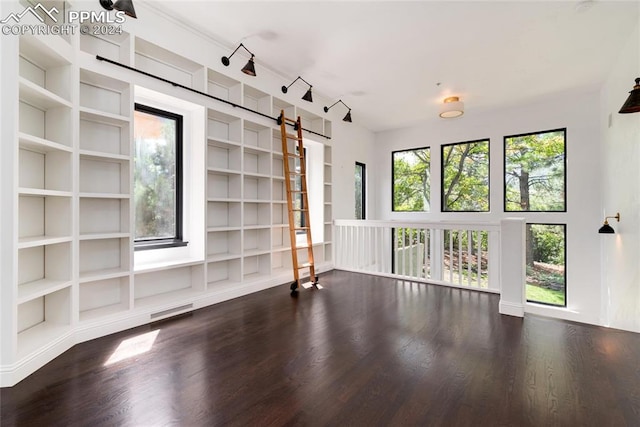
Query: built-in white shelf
x=93 y=115
x=41 y=145
x=39 y=288
x=40 y=97
x=103 y=274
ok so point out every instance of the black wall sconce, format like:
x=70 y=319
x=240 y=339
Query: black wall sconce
x=125 y=6
x=632 y=105
x=249 y=69
x=307 y=96
x=606 y=228
x=346 y=118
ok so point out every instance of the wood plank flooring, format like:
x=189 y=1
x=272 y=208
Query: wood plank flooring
x=363 y=351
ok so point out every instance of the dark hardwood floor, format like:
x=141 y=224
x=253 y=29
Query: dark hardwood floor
x=363 y=351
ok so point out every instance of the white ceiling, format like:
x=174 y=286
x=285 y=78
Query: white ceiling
x=385 y=58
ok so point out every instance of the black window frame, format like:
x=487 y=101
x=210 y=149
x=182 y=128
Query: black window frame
x=177 y=240
x=504 y=169
x=393 y=177
x=363 y=184
x=442 y=171
x=564 y=225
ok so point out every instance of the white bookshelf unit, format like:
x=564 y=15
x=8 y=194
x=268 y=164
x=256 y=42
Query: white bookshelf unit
x=75 y=275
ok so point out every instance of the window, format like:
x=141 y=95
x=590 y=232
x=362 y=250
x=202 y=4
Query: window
x=545 y=264
x=534 y=172
x=360 y=180
x=465 y=177
x=157 y=178
x=411 y=178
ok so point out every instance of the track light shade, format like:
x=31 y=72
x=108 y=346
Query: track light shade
x=307 y=96
x=125 y=6
x=347 y=117
x=451 y=107
x=632 y=105
x=249 y=68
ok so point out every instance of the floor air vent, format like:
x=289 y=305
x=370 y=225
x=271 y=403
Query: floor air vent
x=171 y=311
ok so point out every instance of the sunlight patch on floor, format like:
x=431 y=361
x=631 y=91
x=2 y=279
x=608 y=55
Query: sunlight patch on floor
x=133 y=347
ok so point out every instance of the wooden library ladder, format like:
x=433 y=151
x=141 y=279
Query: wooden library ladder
x=290 y=159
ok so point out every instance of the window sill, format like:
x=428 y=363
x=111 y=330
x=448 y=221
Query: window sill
x=147 y=246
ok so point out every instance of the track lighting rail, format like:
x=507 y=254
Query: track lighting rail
x=276 y=119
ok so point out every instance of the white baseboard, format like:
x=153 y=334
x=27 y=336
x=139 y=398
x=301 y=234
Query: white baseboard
x=511 y=309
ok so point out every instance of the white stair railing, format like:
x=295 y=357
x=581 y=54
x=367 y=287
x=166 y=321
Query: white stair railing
x=469 y=255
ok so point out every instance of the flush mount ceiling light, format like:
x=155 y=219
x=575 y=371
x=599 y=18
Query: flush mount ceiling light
x=346 y=118
x=606 y=228
x=125 y=6
x=451 y=107
x=307 y=96
x=633 y=101
x=249 y=69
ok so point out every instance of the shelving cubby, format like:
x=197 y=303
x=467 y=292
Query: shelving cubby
x=43 y=220
x=257 y=100
x=43 y=168
x=281 y=262
x=164 y=63
x=224 y=87
x=100 y=217
x=224 y=273
x=258 y=136
x=104 y=257
x=42 y=320
x=279 y=217
x=43 y=71
x=42 y=270
x=256 y=267
x=278 y=105
x=256 y=214
x=310 y=120
x=105 y=116
x=256 y=241
x=224 y=244
x=168 y=286
x=116 y=47
x=256 y=188
x=224 y=186
x=224 y=156
x=104 y=177
x=280 y=238
x=257 y=162
x=100 y=298
x=222 y=127
x=277 y=166
x=224 y=215
x=276 y=143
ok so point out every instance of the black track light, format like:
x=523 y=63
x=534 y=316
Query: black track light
x=307 y=96
x=632 y=105
x=347 y=117
x=125 y=6
x=249 y=69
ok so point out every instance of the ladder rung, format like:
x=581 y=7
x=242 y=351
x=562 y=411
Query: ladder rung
x=301 y=228
x=299 y=210
x=290 y=120
x=295 y=173
x=298 y=191
x=305 y=265
x=294 y=155
x=292 y=136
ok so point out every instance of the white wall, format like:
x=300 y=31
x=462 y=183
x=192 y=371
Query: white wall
x=620 y=152
x=354 y=144
x=578 y=112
